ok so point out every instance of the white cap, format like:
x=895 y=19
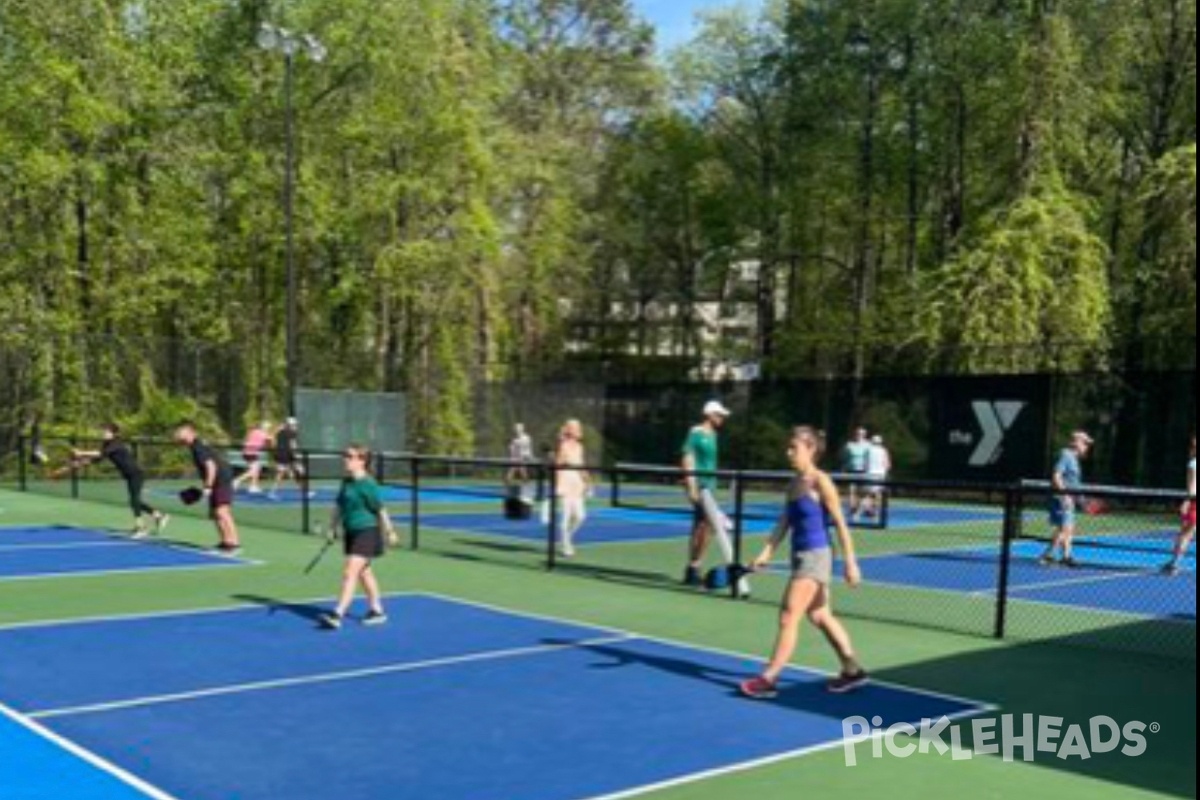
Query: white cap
x=716 y=409
x=1083 y=436
x=293 y=421
x=877 y=440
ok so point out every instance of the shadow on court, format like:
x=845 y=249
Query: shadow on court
x=1069 y=677
x=304 y=611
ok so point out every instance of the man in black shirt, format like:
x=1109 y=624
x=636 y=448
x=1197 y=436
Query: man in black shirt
x=217 y=480
x=287 y=457
x=117 y=452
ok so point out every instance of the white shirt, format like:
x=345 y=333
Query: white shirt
x=878 y=462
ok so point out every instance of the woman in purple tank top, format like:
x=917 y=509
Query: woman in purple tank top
x=813 y=503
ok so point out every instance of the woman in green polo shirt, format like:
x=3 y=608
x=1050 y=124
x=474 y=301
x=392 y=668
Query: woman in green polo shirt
x=364 y=522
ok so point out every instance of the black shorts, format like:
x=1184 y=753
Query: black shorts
x=221 y=497
x=366 y=544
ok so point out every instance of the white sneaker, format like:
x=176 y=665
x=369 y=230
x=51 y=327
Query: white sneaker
x=161 y=523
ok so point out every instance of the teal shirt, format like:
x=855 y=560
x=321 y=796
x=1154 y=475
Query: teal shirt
x=702 y=446
x=858 y=454
x=359 y=505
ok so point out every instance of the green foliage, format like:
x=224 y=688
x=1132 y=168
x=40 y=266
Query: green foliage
x=1038 y=275
x=482 y=183
x=158 y=412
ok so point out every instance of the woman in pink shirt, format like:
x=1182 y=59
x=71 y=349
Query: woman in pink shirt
x=255 y=444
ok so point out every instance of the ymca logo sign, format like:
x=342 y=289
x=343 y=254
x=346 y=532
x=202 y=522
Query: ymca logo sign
x=996 y=420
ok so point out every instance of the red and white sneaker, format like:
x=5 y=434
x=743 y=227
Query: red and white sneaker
x=845 y=684
x=760 y=689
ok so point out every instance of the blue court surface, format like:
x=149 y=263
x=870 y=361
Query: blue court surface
x=452 y=701
x=1122 y=581
x=29 y=553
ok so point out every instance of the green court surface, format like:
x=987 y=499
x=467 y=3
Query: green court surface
x=1047 y=672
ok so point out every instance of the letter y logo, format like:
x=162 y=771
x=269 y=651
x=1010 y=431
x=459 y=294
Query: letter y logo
x=996 y=419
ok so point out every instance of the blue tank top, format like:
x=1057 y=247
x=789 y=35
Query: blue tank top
x=810 y=524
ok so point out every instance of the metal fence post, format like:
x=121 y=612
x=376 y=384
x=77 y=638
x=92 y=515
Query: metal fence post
x=1013 y=510
x=74 y=471
x=739 y=530
x=306 y=496
x=552 y=528
x=23 y=457
x=415 y=502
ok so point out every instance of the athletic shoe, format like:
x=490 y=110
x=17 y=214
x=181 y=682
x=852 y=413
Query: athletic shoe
x=844 y=684
x=375 y=619
x=567 y=552
x=743 y=589
x=759 y=689
x=1070 y=562
x=1047 y=560
x=331 y=621
x=160 y=523
x=140 y=535
x=230 y=550
x=1171 y=570
x=692 y=578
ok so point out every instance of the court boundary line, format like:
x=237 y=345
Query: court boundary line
x=57 y=576
x=85 y=755
x=326 y=678
x=24 y=548
x=1082 y=581
x=137 y=616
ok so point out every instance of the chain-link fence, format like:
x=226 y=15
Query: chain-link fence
x=983 y=560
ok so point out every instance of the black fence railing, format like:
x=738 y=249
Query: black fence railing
x=966 y=558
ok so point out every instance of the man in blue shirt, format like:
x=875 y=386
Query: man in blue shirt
x=1064 y=505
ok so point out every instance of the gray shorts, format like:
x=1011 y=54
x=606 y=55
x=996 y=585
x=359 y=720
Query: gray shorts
x=813 y=565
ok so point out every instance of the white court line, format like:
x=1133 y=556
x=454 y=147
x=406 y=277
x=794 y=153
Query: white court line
x=85 y=755
x=25 y=548
x=1080 y=581
x=150 y=570
x=327 y=678
x=176 y=613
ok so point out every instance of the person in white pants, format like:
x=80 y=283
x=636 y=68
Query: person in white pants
x=574 y=485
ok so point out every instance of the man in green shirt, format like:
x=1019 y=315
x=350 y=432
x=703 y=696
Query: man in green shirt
x=701 y=456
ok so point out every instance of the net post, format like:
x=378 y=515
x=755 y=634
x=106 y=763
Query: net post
x=414 y=514
x=74 y=470
x=23 y=463
x=305 y=497
x=1014 y=508
x=615 y=488
x=552 y=529
x=739 y=530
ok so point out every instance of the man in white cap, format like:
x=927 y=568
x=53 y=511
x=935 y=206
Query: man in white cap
x=701 y=455
x=1064 y=506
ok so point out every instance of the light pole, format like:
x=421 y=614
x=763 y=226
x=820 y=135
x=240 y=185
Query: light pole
x=292 y=45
